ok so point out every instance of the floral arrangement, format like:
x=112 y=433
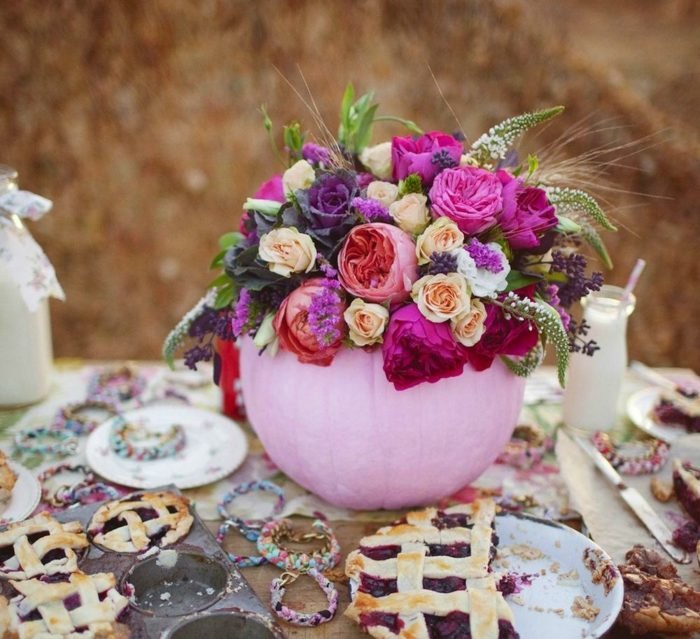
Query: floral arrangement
x=441 y=254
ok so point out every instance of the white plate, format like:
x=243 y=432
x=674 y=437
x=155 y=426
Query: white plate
x=639 y=407
x=215 y=447
x=25 y=497
x=544 y=607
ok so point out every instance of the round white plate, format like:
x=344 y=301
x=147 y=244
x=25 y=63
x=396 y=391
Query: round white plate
x=215 y=447
x=25 y=497
x=639 y=407
x=546 y=602
x=543 y=608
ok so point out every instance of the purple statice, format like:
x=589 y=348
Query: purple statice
x=552 y=294
x=325 y=312
x=316 y=154
x=371 y=210
x=577 y=332
x=484 y=257
x=577 y=284
x=209 y=325
x=441 y=263
x=443 y=159
x=241 y=313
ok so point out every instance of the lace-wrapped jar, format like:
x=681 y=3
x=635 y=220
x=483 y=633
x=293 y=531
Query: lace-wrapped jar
x=27 y=279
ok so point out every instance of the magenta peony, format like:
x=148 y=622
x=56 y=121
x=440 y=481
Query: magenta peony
x=425 y=155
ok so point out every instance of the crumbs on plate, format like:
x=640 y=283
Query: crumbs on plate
x=583 y=608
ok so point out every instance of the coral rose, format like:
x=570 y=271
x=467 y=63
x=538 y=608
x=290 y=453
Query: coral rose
x=287 y=251
x=366 y=322
x=441 y=297
x=291 y=324
x=378 y=263
x=417 y=350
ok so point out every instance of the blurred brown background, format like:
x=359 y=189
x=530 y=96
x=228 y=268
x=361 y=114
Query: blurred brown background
x=140 y=120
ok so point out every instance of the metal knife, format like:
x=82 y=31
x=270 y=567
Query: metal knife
x=636 y=502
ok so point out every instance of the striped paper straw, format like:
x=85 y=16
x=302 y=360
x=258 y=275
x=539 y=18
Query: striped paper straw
x=632 y=282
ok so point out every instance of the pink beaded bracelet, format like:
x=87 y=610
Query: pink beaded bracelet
x=652 y=460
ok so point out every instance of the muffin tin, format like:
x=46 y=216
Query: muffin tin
x=202 y=594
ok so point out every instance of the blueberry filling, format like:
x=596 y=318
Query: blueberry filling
x=446 y=584
x=112 y=524
x=34 y=615
x=454 y=625
x=72 y=602
x=53 y=555
x=146 y=514
x=155 y=538
x=386 y=619
x=6 y=552
x=460 y=549
x=55 y=579
x=376 y=586
x=172 y=509
x=380 y=553
x=451 y=520
x=690 y=501
x=34 y=536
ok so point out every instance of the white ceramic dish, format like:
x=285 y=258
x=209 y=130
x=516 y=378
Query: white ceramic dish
x=215 y=447
x=25 y=497
x=639 y=407
x=543 y=608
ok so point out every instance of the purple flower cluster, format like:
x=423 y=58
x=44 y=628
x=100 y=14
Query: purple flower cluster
x=484 y=257
x=552 y=294
x=371 y=210
x=209 y=325
x=577 y=332
x=442 y=263
x=577 y=285
x=241 y=313
x=316 y=154
x=324 y=312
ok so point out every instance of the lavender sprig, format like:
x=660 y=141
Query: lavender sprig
x=577 y=285
x=371 y=210
x=484 y=257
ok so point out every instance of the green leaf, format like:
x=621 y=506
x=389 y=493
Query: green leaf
x=221 y=280
x=592 y=237
x=224 y=297
x=345 y=104
x=227 y=240
x=568 y=201
x=525 y=366
x=495 y=144
x=364 y=129
x=409 y=124
x=532 y=164
x=293 y=138
x=266 y=207
x=218 y=260
x=567 y=225
x=517 y=280
x=267 y=122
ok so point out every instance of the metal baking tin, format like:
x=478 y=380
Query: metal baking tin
x=202 y=595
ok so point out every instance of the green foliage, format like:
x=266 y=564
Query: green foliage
x=533 y=164
x=495 y=144
x=525 y=366
x=356 y=119
x=177 y=336
x=548 y=324
x=293 y=138
x=411 y=184
x=572 y=201
x=566 y=225
x=517 y=280
x=409 y=124
x=589 y=233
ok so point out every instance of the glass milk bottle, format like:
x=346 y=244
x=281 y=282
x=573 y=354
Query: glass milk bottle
x=594 y=382
x=25 y=335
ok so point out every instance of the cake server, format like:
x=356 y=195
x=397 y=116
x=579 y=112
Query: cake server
x=636 y=502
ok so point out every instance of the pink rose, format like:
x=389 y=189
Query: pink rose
x=417 y=350
x=272 y=189
x=291 y=324
x=378 y=263
x=503 y=336
x=425 y=155
x=468 y=195
x=527 y=214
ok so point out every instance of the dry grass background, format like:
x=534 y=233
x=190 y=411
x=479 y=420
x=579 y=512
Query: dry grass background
x=139 y=119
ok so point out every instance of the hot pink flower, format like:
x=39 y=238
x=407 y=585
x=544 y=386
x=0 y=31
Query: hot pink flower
x=425 y=155
x=271 y=189
x=417 y=350
x=378 y=263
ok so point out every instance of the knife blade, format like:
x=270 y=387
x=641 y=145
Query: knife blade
x=639 y=506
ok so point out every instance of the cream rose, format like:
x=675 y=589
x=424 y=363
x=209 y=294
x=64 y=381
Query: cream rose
x=378 y=159
x=441 y=297
x=298 y=176
x=469 y=327
x=366 y=322
x=384 y=192
x=411 y=213
x=287 y=251
x=441 y=236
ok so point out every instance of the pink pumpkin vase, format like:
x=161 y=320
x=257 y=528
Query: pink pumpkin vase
x=344 y=433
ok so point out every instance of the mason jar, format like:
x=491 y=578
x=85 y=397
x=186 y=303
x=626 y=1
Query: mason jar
x=26 y=356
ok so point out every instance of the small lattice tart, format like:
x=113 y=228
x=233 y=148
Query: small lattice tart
x=428 y=577
x=142 y=520
x=78 y=606
x=40 y=546
x=8 y=479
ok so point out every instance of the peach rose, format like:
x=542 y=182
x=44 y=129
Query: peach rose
x=441 y=297
x=378 y=263
x=411 y=213
x=287 y=251
x=384 y=192
x=366 y=322
x=291 y=324
x=441 y=236
x=469 y=327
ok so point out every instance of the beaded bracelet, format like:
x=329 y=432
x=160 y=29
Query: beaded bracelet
x=30 y=441
x=527 y=447
x=71 y=417
x=58 y=496
x=250 y=528
x=116 y=385
x=277 y=590
x=650 y=461
x=80 y=495
x=274 y=532
x=242 y=561
x=124 y=440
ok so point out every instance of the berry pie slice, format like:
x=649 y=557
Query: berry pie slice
x=142 y=520
x=78 y=606
x=686 y=483
x=427 y=577
x=40 y=546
